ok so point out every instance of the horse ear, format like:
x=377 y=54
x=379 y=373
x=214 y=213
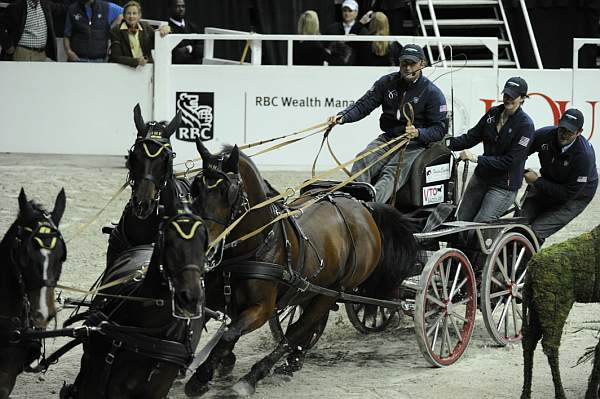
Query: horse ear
x=59 y=207
x=231 y=164
x=204 y=153
x=140 y=125
x=24 y=206
x=173 y=125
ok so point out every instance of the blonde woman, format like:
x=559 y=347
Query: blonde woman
x=381 y=53
x=309 y=52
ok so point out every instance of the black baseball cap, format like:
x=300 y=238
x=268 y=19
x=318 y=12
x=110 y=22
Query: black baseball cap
x=412 y=52
x=515 y=87
x=572 y=120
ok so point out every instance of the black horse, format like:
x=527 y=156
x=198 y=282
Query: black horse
x=146 y=340
x=150 y=165
x=338 y=243
x=31 y=256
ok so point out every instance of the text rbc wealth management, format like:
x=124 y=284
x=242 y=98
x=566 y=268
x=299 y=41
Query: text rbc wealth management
x=278 y=101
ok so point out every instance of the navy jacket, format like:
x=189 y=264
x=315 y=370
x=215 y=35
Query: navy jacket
x=427 y=100
x=504 y=152
x=568 y=175
x=89 y=38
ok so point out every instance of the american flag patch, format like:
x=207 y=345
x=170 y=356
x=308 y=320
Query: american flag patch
x=582 y=179
x=443 y=108
x=524 y=141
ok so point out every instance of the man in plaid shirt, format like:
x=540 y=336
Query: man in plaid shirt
x=31 y=30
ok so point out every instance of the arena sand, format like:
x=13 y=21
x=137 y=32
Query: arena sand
x=344 y=364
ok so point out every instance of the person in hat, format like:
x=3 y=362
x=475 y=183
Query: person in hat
x=348 y=26
x=568 y=177
x=506 y=132
x=393 y=92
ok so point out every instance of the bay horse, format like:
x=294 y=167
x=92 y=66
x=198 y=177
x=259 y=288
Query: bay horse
x=145 y=341
x=339 y=243
x=31 y=256
x=557 y=277
x=150 y=165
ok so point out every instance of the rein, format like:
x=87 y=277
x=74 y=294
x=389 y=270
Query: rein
x=400 y=141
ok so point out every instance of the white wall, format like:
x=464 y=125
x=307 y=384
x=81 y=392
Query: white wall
x=87 y=108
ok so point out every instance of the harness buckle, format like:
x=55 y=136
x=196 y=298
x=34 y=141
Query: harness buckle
x=15 y=337
x=227 y=290
x=110 y=359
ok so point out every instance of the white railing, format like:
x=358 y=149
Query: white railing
x=579 y=42
x=209 y=48
x=164 y=46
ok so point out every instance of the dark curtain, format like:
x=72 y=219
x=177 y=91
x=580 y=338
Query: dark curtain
x=555 y=23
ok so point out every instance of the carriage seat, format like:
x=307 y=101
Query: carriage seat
x=359 y=190
x=431 y=180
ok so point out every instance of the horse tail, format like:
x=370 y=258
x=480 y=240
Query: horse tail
x=399 y=250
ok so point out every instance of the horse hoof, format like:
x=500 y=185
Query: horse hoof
x=66 y=392
x=243 y=388
x=284 y=369
x=226 y=366
x=195 y=388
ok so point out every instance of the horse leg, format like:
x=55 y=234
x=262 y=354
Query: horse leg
x=298 y=332
x=7 y=382
x=532 y=333
x=250 y=319
x=552 y=326
x=594 y=382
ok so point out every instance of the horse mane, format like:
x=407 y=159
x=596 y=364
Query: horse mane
x=269 y=190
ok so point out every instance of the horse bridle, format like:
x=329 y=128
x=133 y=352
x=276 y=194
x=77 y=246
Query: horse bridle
x=194 y=222
x=45 y=235
x=163 y=145
x=237 y=198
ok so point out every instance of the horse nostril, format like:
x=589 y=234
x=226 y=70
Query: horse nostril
x=186 y=297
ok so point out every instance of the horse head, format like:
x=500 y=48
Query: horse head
x=37 y=254
x=183 y=239
x=150 y=161
x=218 y=191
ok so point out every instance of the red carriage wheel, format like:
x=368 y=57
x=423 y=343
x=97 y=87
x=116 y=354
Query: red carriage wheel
x=445 y=307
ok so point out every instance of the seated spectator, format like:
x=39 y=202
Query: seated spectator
x=187 y=51
x=348 y=26
x=132 y=42
x=31 y=35
x=381 y=53
x=309 y=52
x=87 y=29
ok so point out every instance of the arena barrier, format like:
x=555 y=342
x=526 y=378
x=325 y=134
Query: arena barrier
x=87 y=108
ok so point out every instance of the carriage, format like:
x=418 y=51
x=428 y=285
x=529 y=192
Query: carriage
x=461 y=267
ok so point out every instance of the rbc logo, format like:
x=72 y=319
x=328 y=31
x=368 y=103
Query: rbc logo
x=197 y=115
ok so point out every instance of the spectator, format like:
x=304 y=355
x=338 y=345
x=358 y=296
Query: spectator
x=31 y=35
x=309 y=52
x=87 y=29
x=187 y=51
x=132 y=42
x=349 y=26
x=381 y=53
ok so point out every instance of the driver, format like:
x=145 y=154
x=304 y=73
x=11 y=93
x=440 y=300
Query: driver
x=392 y=92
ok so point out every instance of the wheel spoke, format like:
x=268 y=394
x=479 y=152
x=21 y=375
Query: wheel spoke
x=497 y=282
x=444 y=331
x=499 y=293
x=456 y=330
x=462 y=302
x=452 y=290
x=500 y=302
x=464 y=320
x=514 y=315
x=520 y=279
x=431 y=313
x=437 y=328
x=435 y=325
x=513 y=260
x=502 y=270
x=436 y=301
x=448 y=339
x=503 y=315
x=433 y=286
x=444 y=281
x=463 y=282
